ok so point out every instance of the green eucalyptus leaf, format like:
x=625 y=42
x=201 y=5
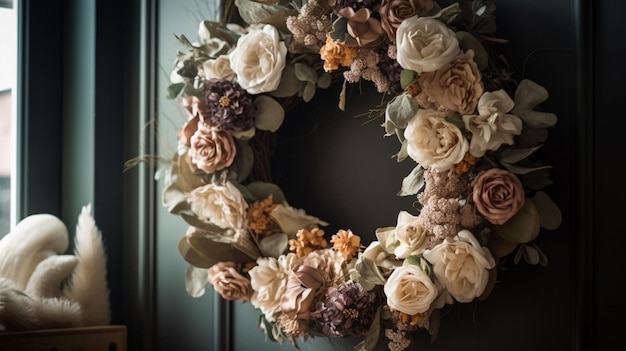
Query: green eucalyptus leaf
x=188 y=70
x=308 y=92
x=413 y=183
x=407 y=76
x=511 y=155
x=516 y=169
x=401 y=110
x=340 y=29
x=387 y=238
x=195 y=281
x=523 y=227
x=551 y=215
x=324 y=80
x=537 y=180
x=469 y=42
x=531 y=255
x=274 y=245
x=271 y=114
x=527 y=96
x=531 y=137
x=244 y=161
x=174 y=90
x=456 y=119
x=305 y=73
x=289 y=84
x=369 y=271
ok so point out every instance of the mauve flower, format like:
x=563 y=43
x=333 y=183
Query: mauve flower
x=228 y=282
x=393 y=12
x=212 y=149
x=362 y=26
x=228 y=106
x=497 y=194
x=347 y=310
x=455 y=86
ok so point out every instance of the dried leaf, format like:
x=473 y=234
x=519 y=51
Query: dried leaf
x=305 y=73
x=274 y=245
x=270 y=114
x=551 y=215
x=523 y=227
x=412 y=183
x=401 y=110
x=195 y=281
x=514 y=155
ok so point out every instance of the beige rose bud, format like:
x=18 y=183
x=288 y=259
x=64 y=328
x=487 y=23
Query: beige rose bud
x=228 y=282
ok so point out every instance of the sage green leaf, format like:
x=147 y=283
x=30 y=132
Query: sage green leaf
x=407 y=77
x=192 y=256
x=368 y=271
x=516 y=169
x=174 y=90
x=456 y=119
x=401 y=110
x=188 y=70
x=523 y=227
x=291 y=220
x=537 y=180
x=511 y=155
x=289 y=84
x=448 y=14
x=324 y=80
x=244 y=161
x=551 y=215
x=371 y=337
x=252 y=12
x=305 y=73
x=387 y=238
x=531 y=255
x=469 y=42
x=274 y=245
x=412 y=183
x=527 y=96
x=270 y=114
x=403 y=153
x=308 y=91
x=340 y=29
x=261 y=190
x=195 y=281
x=531 y=137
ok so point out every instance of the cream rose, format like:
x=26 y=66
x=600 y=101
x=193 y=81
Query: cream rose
x=425 y=44
x=410 y=290
x=497 y=194
x=218 y=68
x=410 y=235
x=228 y=282
x=462 y=265
x=433 y=142
x=222 y=205
x=269 y=282
x=455 y=86
x=259 y=59
x=493 y=126
x=212 y=149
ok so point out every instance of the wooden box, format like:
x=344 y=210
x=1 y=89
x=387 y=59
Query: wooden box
x=101 y=338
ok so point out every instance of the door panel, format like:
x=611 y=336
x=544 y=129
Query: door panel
x=345 y=175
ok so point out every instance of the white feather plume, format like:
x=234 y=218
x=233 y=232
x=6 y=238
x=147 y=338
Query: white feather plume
x=88 y=285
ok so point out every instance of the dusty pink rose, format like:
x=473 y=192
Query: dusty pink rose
x=187 y=130
x=393 y=12
x=362 y=26
x=193 y=105
x=498 y=195
x=455 y=86
x=212 y=149
x=228 y=282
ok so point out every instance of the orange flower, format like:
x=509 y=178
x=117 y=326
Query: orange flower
x=335 y=53
x=259 y=220
x=306 y=241
x=346 y=242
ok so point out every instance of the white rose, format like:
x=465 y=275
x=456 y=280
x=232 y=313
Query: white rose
x=222 y=205
x=425 y=44
x=493 y=126
x=269 y=281
x=218 y=68
x=259 y=59
x=411 y=236
x=410 y=290
x=462 y=265
x=433 y=142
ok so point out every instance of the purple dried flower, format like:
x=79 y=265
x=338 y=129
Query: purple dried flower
x=347 y=309
x=228 y=105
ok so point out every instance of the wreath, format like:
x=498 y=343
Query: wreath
x=449 y=98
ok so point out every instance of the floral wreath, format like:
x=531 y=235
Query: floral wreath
x=450 y=100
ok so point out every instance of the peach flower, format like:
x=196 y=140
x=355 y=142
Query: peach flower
x=456 y=86
x=228 y=282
